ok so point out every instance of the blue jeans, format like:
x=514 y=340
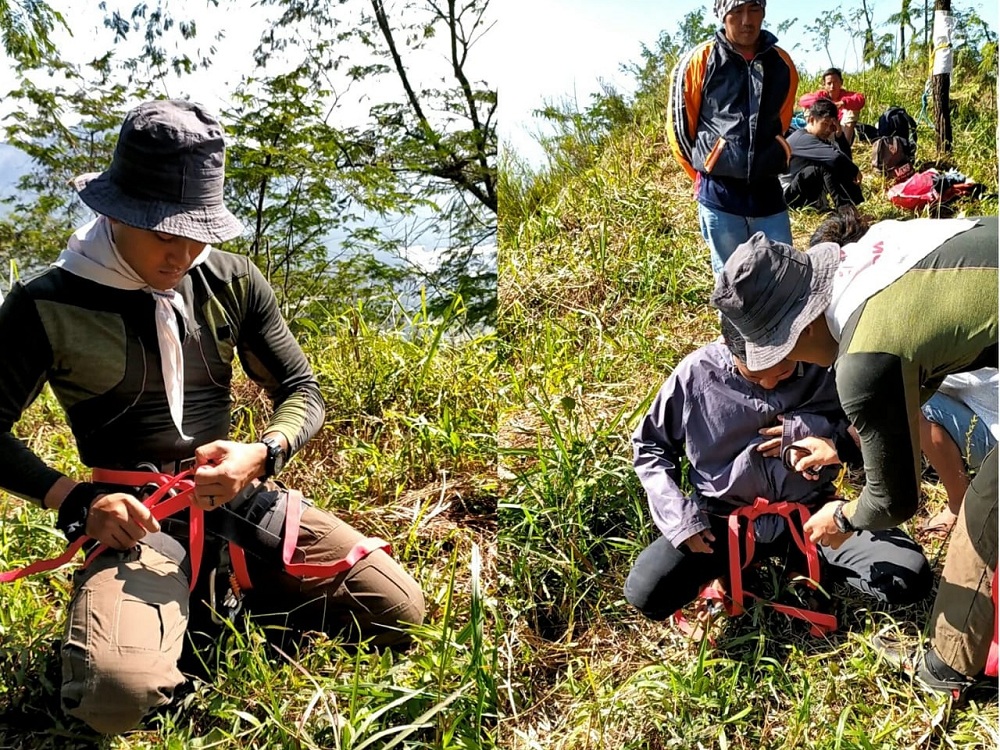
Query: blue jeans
x=723 y=232
x=970 y=432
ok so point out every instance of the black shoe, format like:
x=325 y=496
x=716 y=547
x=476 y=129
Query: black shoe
x=924 y=667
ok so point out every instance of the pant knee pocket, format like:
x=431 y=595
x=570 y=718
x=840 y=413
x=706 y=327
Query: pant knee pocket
x=139 y=625
x=397 y=594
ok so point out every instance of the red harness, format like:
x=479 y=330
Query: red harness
x=820 y=623
x=172 y=495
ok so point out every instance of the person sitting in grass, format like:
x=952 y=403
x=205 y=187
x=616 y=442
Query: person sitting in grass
x=958 y=427
x=820 y=174
x=136 y=328
x=848 y=103
x=894 y=312
x=729 y=422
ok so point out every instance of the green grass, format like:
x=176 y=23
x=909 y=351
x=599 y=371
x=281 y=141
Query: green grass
x=407 y=453
x=604 y=286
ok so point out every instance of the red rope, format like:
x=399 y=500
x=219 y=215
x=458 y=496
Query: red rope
x=819 y=622
x=172 y=495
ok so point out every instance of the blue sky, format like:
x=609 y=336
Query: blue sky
x=562 y=49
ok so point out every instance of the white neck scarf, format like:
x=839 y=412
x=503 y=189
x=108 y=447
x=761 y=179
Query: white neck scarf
x=91 y=254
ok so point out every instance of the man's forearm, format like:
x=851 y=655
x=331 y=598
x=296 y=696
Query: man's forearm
x=891 y=492
x=298 y=418
x=26 y=475
x=58 y=492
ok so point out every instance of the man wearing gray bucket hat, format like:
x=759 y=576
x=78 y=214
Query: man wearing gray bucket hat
x=894 y=312
x=731 y=103
x=136 y=327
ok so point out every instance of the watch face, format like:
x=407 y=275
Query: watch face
x=275 y=456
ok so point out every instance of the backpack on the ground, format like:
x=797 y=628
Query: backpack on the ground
x=892 y=156
x=866 y=133
x=897 y=121
x=931 y=186
x=895 y=148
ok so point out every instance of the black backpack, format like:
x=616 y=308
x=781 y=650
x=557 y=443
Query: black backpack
x=896 y=121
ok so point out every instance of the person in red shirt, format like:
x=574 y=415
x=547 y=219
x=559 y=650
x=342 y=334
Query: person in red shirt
x=849 y=103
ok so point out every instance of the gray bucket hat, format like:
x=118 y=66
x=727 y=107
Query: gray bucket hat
x=166 y=174
x=770 y=292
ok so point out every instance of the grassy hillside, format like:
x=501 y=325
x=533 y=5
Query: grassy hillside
x=604 y=286
x=407 y=453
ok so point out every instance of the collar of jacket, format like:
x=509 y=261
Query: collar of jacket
x=767 y=41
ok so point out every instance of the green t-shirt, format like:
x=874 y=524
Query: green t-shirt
x=938 y=318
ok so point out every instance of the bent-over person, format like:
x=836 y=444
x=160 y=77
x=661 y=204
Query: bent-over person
x=894 y=312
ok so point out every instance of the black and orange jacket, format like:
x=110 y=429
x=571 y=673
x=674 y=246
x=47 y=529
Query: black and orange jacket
x=97 y=348
x=727 y=115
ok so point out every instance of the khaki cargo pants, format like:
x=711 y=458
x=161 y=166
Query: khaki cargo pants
x=129 y=614
x=962 y=619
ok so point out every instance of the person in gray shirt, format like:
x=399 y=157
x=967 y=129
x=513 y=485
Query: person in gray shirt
x=731 y=424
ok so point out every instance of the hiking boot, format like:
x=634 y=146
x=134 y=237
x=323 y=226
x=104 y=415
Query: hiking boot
x=924 y=667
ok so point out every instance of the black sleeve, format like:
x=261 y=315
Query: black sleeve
x=809 y=147
x=877 y=399
x=23 y=371
x=272 y=358
x=847 y=450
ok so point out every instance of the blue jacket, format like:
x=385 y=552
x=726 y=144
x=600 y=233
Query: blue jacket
x=726 y=123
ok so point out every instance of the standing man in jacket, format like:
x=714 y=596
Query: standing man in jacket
x=136 y=328
x=731 y=102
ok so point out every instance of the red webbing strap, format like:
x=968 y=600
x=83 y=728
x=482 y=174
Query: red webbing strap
x=293 y=514
x=43 y=566
x=992 y=661
x=710 y=592
x=819 y=622
x=162 y=504
x=159 y=510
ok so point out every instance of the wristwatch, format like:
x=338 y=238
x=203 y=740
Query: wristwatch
x=275 y=457
x=844 y=525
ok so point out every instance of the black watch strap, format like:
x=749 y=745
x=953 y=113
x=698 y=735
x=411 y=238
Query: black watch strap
x=75 y=509
x=275 y=461
x=843 y=523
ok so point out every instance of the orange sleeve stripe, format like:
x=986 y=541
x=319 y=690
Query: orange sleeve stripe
x=680 y=135
x=788 y=107
x=693 y=83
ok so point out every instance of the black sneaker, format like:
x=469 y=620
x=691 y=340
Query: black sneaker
x=924 y=667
